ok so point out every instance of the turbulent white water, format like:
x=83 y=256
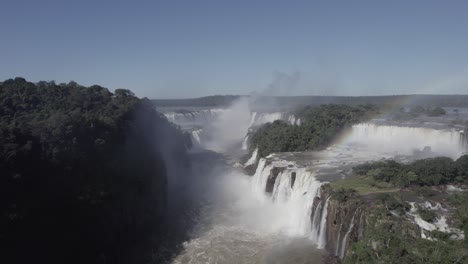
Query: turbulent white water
x=296 y=199
x=440 y=224
x=240 y=223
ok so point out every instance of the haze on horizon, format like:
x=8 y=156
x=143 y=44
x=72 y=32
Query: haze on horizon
x=184 y=49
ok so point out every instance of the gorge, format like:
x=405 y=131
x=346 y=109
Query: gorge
x=286 y=211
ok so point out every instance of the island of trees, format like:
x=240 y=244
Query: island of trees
x=320 y=125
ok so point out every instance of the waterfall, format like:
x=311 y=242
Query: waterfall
x=195 y=134
x=262 y=118
x=323 y=226
x=296 y=199
x=316 y=217
x=405 y=140
x=293 y=120
x=252 y=159
x=194 y=117
x=337 y=247
x=463 y=139
x=245 y=143
x=343 y=243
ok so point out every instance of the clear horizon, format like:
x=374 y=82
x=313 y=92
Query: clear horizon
x=188 y=49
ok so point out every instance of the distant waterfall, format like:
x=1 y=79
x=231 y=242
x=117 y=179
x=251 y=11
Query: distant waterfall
x=195 y=135
x=194 y=117
x=293 y=120
x=203 y=123
x=296 y=188
x=262 y=118
x=464 y=139
x=404 y=140
x=245 y=143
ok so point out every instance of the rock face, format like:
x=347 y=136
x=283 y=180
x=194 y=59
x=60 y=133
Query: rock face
x=345 y=221
x=250 y=169
x=272 y=178
x=345 y=224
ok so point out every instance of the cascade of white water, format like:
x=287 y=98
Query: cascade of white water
x=252 y=159
x=316 y=222
x=262 y=118
x=405 y=140
x=323 y=226
x=196 y=136
x=294 y=193
x=197 y=117
x=260 y=178
x=293 y=120
x=337 y=247
x=343 y=243
x=245 y=143
x=253 y=117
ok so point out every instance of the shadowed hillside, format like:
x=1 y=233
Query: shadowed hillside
x=83 y=172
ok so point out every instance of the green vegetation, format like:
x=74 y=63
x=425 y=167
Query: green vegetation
x=459 y=201
x=82 y=171
x=363 y=185
x=392 y=238
x=426 y=172
x=394 y=202
x=437 y=111
x=389 y=234
x=320 y=125
x=426 y=214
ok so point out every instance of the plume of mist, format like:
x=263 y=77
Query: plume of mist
x=230 y=128
x=283 y=84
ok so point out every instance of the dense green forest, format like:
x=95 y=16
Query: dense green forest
x=425 y=172
x=320 y=125
x=82 y=171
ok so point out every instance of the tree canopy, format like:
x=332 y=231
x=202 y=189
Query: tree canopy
x=81 y=166
x=425 y=172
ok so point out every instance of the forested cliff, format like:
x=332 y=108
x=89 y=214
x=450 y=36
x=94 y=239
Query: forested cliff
x=83 y=171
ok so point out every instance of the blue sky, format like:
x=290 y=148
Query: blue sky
x=181 y=49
